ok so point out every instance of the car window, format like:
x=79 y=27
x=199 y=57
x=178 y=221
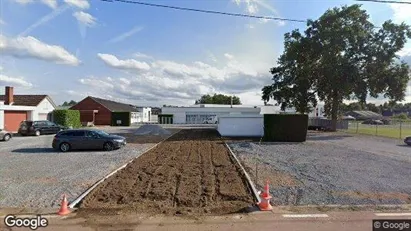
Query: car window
x=50 y=123
x=92 y=134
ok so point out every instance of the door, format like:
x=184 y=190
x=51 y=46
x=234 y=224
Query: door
x=43 y=116
x=12 y=120
x=93 y=140
x=42 y=126
x=77 y=139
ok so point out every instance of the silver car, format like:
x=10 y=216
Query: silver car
x=5 y=135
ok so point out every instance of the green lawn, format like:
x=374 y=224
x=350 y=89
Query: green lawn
x=392 y=131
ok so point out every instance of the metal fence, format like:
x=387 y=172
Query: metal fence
x=395 y=129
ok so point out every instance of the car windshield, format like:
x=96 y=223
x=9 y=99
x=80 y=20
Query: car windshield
x=101 y=133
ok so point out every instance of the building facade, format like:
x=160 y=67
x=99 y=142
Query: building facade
x=16 y=108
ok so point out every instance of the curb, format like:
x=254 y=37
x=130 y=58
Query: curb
x=249 y=181
x=81 y=197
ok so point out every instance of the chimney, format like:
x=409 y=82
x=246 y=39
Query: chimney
x=8 y=98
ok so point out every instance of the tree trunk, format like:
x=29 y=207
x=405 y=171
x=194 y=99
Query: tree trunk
x=334 y=112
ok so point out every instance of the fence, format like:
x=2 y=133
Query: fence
x=396 y=129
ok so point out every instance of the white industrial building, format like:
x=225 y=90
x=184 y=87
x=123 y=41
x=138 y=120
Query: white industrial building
x=198 y=114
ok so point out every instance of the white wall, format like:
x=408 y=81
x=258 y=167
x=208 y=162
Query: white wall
x=146 y=112
x=1 y=119
x=44 y=107
x=247 y=126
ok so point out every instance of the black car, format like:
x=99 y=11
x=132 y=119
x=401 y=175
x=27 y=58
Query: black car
x=39 y=127
x=82 y=139
x=407 y=140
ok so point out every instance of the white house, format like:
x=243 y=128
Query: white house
x=17 y=108
x=142 y=116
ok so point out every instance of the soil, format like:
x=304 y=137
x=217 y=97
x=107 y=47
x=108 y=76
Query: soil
x=191 y=173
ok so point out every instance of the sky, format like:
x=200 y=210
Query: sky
x=150 y=56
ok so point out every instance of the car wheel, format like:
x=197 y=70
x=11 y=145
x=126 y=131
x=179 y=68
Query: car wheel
x=65 y=147
x=6 y=137
x=108 y=146
x=37 y=133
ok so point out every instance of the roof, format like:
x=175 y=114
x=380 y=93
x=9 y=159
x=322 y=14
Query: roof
x=366 y=114
x=115 y=106
x=28 y=100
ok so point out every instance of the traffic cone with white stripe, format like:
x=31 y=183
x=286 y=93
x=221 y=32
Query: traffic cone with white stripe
x=64 y=209
x=265 y=197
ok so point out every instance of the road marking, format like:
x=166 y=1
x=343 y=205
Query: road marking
x=304 y=215
x=392 y=214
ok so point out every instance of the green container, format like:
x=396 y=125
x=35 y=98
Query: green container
x=120 y=118
x=285 y=128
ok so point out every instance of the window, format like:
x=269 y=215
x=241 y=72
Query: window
x=77 y=133
x=91 y=134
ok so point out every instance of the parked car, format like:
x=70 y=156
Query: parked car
x=373 y=122
x=39 y=127
x=407 y=140
x=82 y=139
x=5 y=135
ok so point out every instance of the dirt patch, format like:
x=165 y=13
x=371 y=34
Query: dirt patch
x=191 y=173
x=132 y=138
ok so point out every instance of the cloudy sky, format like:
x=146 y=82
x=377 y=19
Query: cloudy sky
x=69 y=49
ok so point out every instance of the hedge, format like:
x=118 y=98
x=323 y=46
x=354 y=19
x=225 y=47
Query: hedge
x=123 y=117
x=165 y=119
x=67 y=118
x=285 y=128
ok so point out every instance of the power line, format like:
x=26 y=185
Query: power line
x=384 y=1
x=206 y=11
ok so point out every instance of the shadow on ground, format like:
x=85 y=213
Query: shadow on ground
x=324 y=136
x=34 y=150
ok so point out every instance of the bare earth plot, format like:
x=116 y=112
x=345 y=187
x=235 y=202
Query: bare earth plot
x=33 y=175
x=332 y=169
x=191 y=173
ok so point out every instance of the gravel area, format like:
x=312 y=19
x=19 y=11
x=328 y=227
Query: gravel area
x=331 y=169
x=34 y=175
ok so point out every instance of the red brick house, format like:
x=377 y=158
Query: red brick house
x=98 y=111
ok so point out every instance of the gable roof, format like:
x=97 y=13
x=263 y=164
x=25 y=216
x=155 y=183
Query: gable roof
x=28 y=100
x=115 y=106
x=365 y=114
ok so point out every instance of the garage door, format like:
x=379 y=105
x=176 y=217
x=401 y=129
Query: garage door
x=43 y=116
x=12 y=120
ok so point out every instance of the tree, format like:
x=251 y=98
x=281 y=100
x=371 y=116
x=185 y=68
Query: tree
x=67 y=104
x=218 y=99
x=352 y=60
x=292 y=86
x=402 y=116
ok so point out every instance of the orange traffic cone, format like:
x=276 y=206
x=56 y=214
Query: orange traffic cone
x=265 y=197
x=64 y=209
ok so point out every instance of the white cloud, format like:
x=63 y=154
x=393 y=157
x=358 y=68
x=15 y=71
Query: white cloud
x=2 y=22
x=174 y=82
x=30 y=47
x=130 y=64
x=45 y=19
x=401 y=13
x=81 y=4
x=15 y=81
x=126 y=34
x=85 y=18
x=139 y=55
x=50 y=3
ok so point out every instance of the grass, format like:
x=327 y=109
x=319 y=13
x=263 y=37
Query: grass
x=392 y=131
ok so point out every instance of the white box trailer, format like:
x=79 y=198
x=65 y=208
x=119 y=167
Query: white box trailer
x=241 y=125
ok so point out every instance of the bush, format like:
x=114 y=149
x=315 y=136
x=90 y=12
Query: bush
x=123 y=117
x=67 y=118
x=285 y=128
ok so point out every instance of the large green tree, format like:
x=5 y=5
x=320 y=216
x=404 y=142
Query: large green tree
x=218 y=99
x=352 y=60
